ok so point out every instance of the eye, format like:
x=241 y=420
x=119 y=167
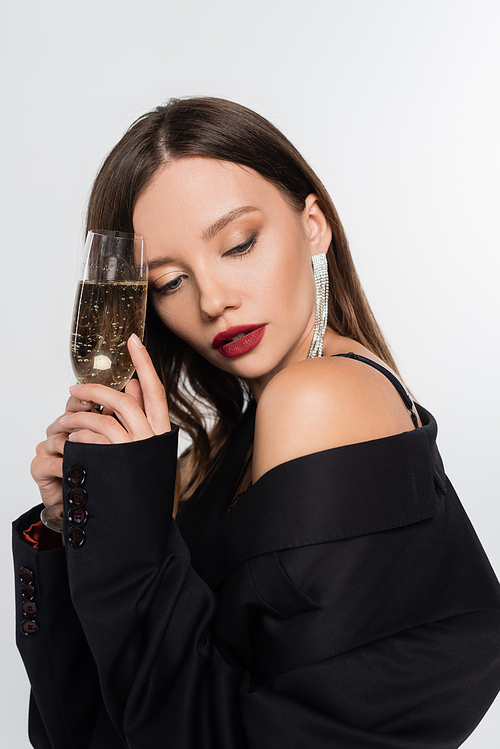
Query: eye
x=244 y=247
x=169 y=287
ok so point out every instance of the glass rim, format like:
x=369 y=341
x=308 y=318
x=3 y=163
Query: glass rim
x=117 y=234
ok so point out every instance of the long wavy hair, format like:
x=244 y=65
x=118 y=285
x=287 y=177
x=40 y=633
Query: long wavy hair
x=223 y=130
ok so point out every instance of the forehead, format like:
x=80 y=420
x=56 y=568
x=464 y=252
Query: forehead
x=189 y=194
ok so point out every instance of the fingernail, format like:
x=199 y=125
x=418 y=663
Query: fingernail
x=136 y=341
x=63 y=419
x=85 y=403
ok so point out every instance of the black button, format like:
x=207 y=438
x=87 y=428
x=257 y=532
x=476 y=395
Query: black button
x=77 y=496
x=76 y=537
x=28 y=592
x=76 y=475
x=29 y=608
x=29 y=628
x=26 y=575
x=78 y=515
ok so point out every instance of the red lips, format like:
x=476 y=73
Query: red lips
x=252 y=337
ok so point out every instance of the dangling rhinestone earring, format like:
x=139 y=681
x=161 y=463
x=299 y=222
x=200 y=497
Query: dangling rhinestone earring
x=320 y=269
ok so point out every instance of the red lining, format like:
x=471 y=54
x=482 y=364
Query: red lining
x=42 y=538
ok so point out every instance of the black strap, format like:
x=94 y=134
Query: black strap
x=402 y=392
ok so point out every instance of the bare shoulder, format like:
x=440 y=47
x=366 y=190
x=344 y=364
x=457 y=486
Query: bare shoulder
x=318 y=404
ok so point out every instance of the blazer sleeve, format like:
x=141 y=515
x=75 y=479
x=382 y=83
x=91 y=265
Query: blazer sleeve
x=317 y=613
x=351 y=647
x=52 y=644
x=146 y=614
x=356 y=591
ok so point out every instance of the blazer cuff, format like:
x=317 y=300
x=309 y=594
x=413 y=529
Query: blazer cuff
x=118 y=498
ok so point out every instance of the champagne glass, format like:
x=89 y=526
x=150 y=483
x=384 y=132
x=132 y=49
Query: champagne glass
x=110 y=305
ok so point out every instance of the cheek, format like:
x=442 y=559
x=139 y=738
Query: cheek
x=290 y=280
x=283 y=267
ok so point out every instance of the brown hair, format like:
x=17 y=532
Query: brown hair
x=224 y=130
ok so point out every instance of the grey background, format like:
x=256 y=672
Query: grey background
x=395 y=104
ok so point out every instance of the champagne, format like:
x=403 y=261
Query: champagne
x=106 y=314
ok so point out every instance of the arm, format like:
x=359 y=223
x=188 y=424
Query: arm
x=147 y=615
x=415 y=605
x=61 y=669
x=144 y=617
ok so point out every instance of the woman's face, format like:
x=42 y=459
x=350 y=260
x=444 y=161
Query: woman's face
x=226 y=249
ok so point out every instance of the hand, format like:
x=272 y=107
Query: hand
x=141 y=409
x=46 y=467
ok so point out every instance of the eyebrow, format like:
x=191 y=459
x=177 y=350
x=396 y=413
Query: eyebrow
x=218 y=225
x=210 y=232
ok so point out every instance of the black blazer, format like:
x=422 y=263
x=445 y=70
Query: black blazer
x=343 y=601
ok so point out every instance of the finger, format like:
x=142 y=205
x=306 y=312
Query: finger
x=75 y=404
x=46 y=469
x=124 y=406
x=54 y=428
x=134 y=389
x=53 y=445
x=153 y=392
x=89 y=438
x=100 y=426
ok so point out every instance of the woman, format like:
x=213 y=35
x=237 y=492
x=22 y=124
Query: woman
x=319 y=584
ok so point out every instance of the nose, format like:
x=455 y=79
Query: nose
x=216 y=296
